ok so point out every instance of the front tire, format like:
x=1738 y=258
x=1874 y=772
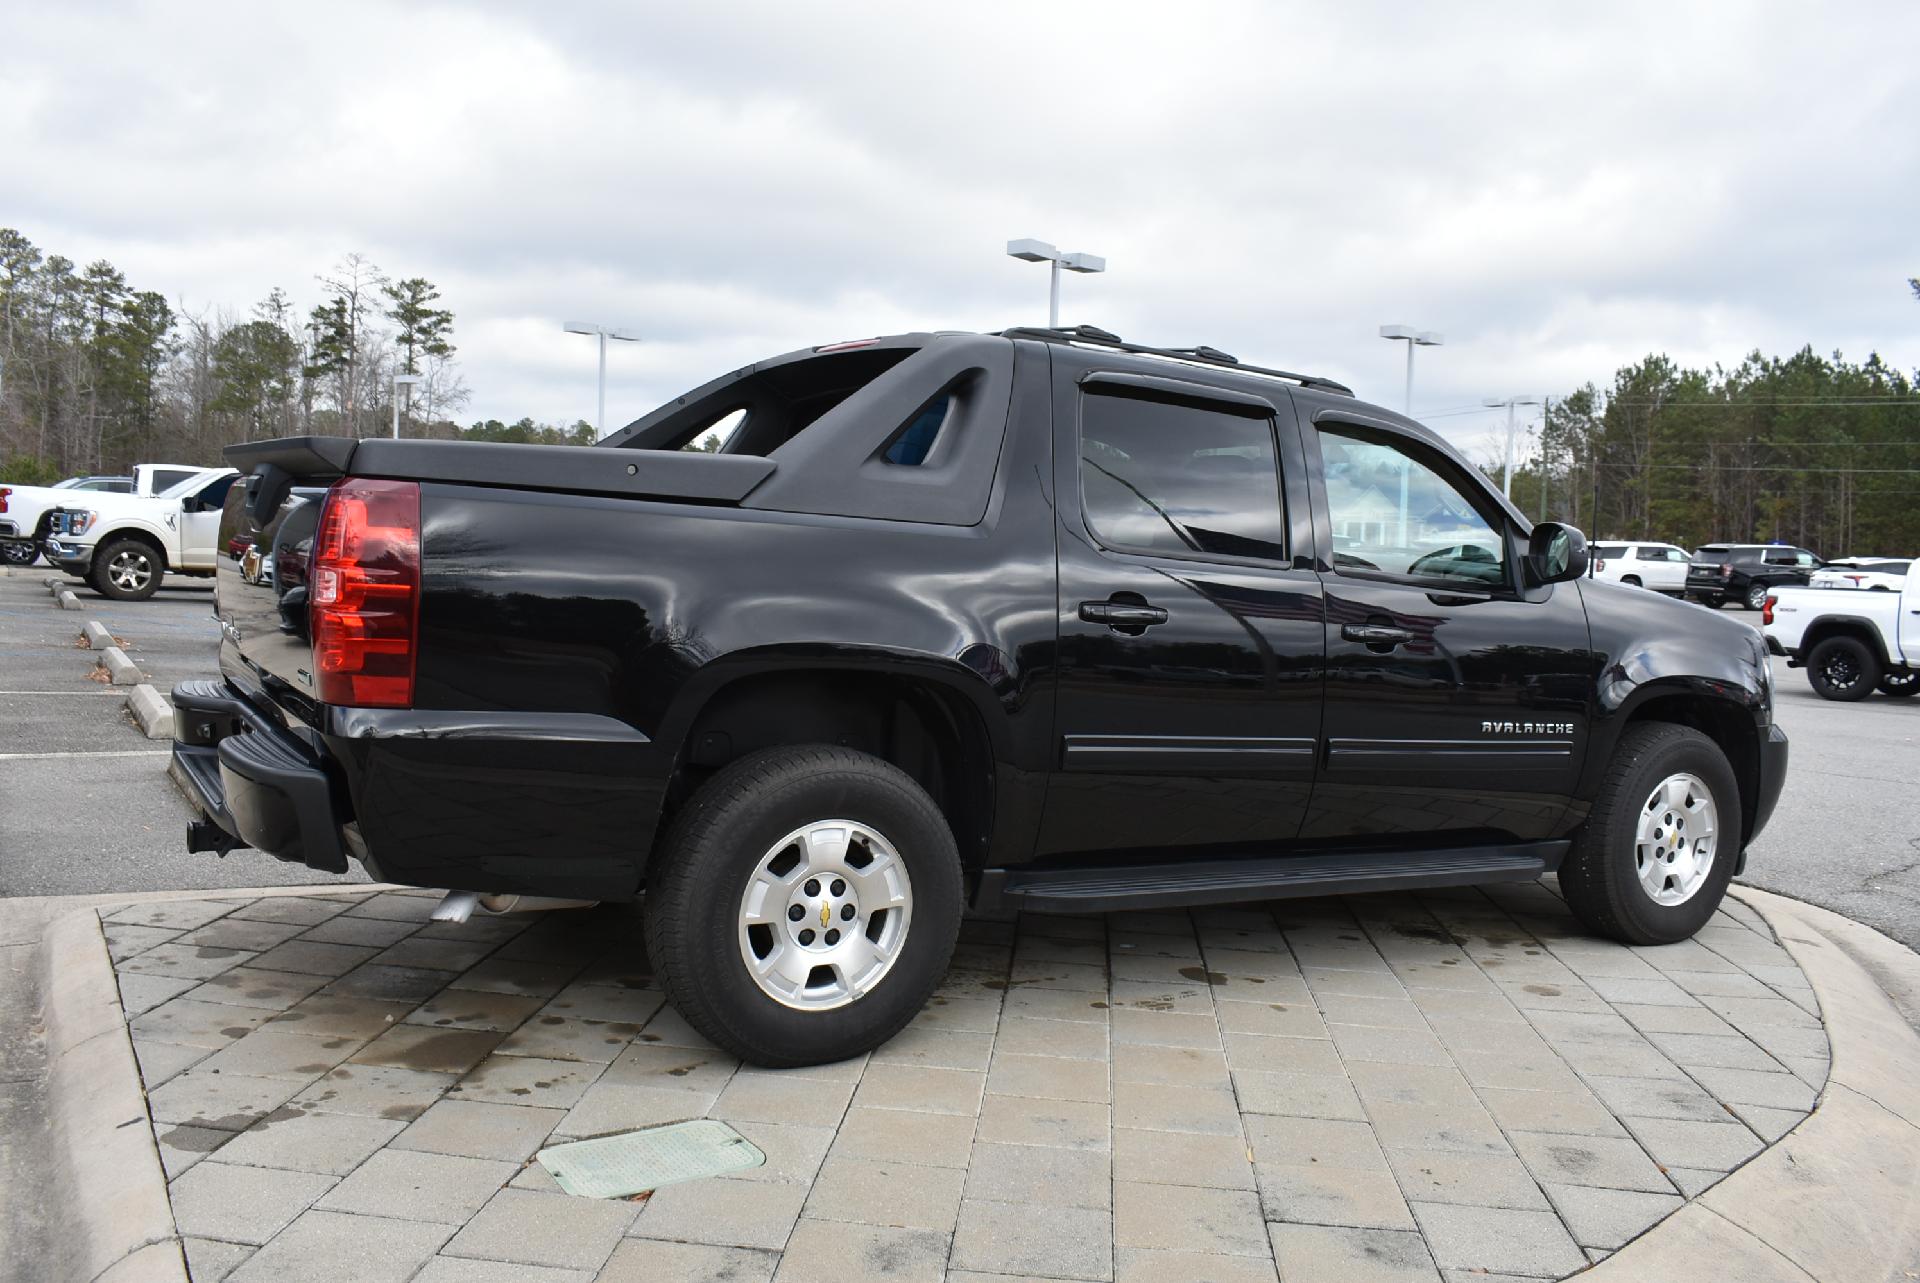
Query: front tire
x=1653 y=860
x=125 y=570
x=1843 y=668
x=804 y=905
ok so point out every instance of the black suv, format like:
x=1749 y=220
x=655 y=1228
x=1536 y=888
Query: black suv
x=1035 y=620
x=1746 y=572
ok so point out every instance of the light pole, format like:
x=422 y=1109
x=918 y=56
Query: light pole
x=400 y=381
x=1494 y=403
x=588 y=327
x=1412 y=338
x=1040 y=252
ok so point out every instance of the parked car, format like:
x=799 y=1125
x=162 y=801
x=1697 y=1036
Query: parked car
x=1033 y=620
x=1746 y=573
x=113 y=485
x=1873 y=574
x=1659 y=566
x=1851 y=645
x=23 y=509
x=125 y=545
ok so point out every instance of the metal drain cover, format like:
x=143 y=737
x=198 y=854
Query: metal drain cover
x=633 y=1162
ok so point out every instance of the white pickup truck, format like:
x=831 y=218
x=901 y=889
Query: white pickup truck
x=21 y=507
x=125 y=544
x=1850 y=643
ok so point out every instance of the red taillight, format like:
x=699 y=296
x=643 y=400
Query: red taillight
x=1600 y=564
x=365 y=595
x=1766 y=611
x=4 y=492
x=1726 y=571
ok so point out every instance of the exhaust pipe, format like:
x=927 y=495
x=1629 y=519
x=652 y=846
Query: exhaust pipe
x=458 y=906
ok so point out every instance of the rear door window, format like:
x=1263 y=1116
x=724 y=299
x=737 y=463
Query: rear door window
x=1179 y=480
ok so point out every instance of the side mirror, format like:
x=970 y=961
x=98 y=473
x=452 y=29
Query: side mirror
x=1556 y=552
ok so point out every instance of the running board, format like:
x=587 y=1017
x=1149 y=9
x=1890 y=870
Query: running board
x=1109 y=888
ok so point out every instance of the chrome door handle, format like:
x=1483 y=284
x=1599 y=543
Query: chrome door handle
x=1375 y=634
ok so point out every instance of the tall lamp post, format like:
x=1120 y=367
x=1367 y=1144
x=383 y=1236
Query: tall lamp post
x=1412 y=338
x=400 y=381
x=605 y=333
x=1494 y=403
x=1041 y=252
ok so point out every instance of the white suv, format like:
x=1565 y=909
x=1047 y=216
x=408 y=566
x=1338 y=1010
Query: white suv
x=1659 y=566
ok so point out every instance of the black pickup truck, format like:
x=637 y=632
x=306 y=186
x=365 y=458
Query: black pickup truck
x=1036 y=620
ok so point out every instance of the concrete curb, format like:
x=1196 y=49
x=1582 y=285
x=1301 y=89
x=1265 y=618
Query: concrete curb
x=117 y=1220
x=98 y=638
x=123 y=670
x=1832 y=1200
x=151 y=710
x=67 y=600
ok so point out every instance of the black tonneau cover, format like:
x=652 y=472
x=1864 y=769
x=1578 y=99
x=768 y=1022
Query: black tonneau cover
x=641 y=474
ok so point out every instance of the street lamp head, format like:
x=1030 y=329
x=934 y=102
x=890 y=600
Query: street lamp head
x=408 y=379
x=1083 y=263
x=1397 y=332
x=622 y=336
x=1033 y=251
x=580 y=327
x=1495 y=402
x=1429 y=338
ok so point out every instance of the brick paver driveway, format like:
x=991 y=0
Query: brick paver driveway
x=1457 y=1085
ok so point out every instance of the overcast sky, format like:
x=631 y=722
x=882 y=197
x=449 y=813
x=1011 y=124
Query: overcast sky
x=1557 y=191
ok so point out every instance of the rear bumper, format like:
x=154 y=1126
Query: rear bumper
x=257 y=784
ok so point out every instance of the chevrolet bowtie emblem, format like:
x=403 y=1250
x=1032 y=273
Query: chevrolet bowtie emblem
x=826 y=915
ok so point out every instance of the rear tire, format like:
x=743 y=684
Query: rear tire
x=126 y=570
x=1629 y=843
x=1901 y=683
x=1757 y=596
x=1843 y=668
x=1632 y=579
x=18 y=554
x=725 y=887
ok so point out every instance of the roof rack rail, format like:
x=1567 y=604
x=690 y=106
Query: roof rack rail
x=1201 y=354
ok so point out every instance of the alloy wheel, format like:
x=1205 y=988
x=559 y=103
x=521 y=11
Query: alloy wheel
x=825 y=915
x=1676 y=839
x=129 y=570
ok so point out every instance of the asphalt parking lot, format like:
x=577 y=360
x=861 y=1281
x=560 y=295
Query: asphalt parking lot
x=89 y=808
x=85 y=802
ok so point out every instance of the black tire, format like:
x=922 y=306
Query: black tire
x=17 y=553
x=697 y=878
x=1843 y=668
x=1757 y=595
x=1600 y=877
x=1901 y=683
x=126 y=570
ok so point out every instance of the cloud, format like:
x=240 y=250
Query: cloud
x=1559 y=192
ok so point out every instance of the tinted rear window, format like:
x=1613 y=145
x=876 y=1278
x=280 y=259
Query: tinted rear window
x=1609 y=551
x=1710 y=554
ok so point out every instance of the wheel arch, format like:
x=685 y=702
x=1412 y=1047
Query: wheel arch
x=1855 y=626
x=144 y=534
x=1728 y=723
x=938 y=721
